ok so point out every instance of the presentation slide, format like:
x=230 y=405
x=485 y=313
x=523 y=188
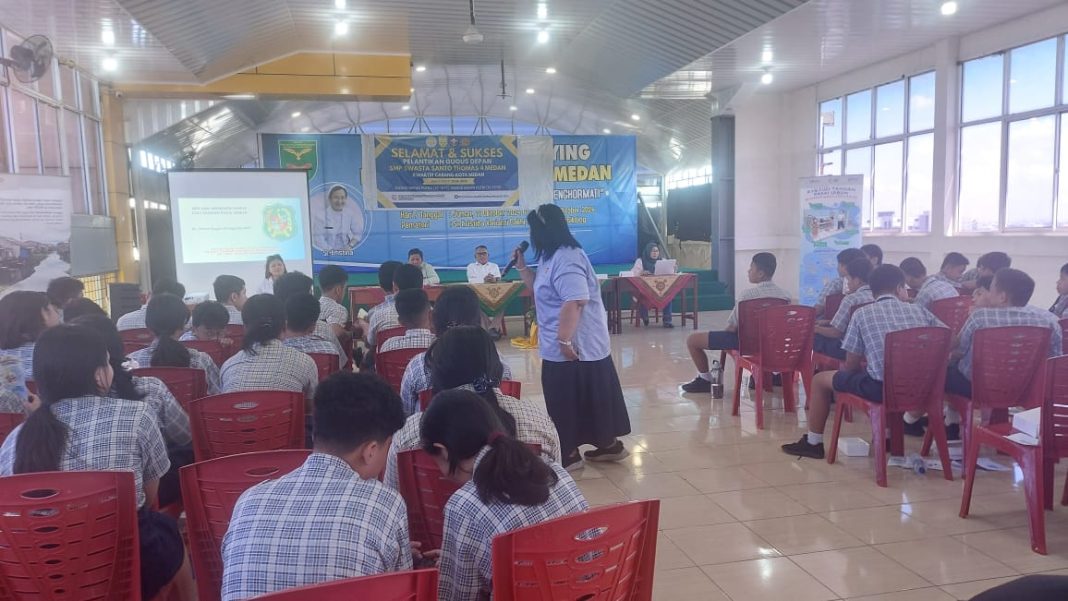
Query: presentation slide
x=229 y=222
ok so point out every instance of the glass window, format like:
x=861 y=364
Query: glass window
x=72 y=127
x=982 y=91
x=1029 y=194
x=1032 y=76
x=90 y=101
x=68 y=87
x=918 y=195
x=1062 y=219
x=980 y=178
x=4 y=166
x=886 y=185
x=858 y=162
x=51 y=157
x=831 y=163
x=46 y=85
x=890 y=109
x=858 y=117
x=830 y=123
x=922 y=102
x=24 y=115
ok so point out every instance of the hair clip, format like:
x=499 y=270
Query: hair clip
x=483 y=384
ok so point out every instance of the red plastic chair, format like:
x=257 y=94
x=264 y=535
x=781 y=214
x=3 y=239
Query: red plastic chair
x=391 y=365
x=605 y=553
x=425 y=492
x=212 y=348
x=823 y=362
x=1036 y=462
x=784 y=345
x=508 y=387
x=831 y=304
x=243 y=422
x=326 y=364
x=187 y=384
x=142 y=336
x=235 y=333
x=952 y=311
x=69 y=535
x=8 y=422
x=1007 y=371
x=385 y=334
x=416 y=585
x=210 y=489
x=915 y=378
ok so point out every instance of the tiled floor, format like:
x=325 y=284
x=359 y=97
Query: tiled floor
x=742 y=521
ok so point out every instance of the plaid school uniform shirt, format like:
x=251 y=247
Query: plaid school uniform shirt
x=532 y=426
x=766 y=289
x=414 y=338
x=1060 y=306
x=24 y=354
x=1006 y=316
x=324 y=331
x=417 y=378
x=835 y=286
x=235 y=315
x=465 y=572
x=942 y=277
x=173 y=420
x=332 y=312
x=866 y=334
x=270 y=366
x=197 y=359
x=858 y=297
x=310 y=343
x=104 y=434
x=381 y=316
x=934 y=289
x=318 y=523
x=134 y=320
x=13 y=392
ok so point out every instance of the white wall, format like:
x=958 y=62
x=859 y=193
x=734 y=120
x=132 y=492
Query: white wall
x=776 y=145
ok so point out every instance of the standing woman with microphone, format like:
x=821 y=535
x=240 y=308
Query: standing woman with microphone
x=578 y=378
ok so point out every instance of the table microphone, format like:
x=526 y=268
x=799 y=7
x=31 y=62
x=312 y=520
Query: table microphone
x=522 y=248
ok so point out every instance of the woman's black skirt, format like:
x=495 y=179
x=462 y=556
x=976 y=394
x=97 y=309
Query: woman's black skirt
x=585 y=401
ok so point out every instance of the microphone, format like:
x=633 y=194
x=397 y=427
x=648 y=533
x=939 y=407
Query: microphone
x=522 y=248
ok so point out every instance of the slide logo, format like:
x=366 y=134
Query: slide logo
x=279 y=222
x=299 y=154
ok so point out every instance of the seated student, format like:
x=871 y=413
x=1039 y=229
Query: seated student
x=646 y=265
x=80 y=426
x=166 y=316
x=1006 y=305
x=865 y=339
x=24 y=316
x=210 y=319
x=988 y=264
x=1060 y=306
x=405 y=277
x=302 y=314
x=330 y=518
x=296 y=283
x=332 y=282
x=504 y=486
x=135 y=320
x=264 y=363
x=953 y=266
x=874 y=254
x=172 y=420
x=828 y=339
x=62 y=290
x=837 y=285
x=430 y=277
x=385 y=282
x=457 y=306
x=80 y=307
x=230 y=291
x=413 y=312
x=761 y=271
x=928 y=289
x=979 y=294
x=465 y=357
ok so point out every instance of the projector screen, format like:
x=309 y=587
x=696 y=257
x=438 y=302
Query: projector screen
x=228 y=222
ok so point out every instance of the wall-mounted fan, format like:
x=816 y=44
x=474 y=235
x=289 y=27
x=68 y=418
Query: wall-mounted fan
x=30 y=59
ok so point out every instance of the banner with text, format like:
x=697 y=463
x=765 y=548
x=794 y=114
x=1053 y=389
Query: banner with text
x=830 y=223
x=35 y=215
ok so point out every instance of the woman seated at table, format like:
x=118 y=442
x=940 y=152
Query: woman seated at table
x=646 y=265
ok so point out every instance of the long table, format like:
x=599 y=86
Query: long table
x=655 y=292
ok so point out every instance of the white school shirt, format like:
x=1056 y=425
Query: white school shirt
x=477 y=272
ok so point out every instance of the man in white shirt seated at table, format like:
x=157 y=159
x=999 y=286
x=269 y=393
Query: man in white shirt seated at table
x=482 y=271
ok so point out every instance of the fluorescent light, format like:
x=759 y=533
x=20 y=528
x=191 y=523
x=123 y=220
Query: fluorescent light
x=110 y=63
x=108 y=37
x=405 y=107
x=606 y=131
x=339 y=4
x=543 y=11
x=420 y=68
x=295 y=114
x=636 y=117
x=551 y=70
x=949 y=8
x=767 y=56
x=239 y=96
x=543 y=36
x=341 y=28
x=411 y=90
x=767 y=78
x=530 y=90
x=513 y=108
x=133 y=203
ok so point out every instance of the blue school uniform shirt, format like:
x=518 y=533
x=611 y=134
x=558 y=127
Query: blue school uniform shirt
x=566 y=276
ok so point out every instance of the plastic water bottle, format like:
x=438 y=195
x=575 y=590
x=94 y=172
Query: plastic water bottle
x=917 y=464
x=716 y=370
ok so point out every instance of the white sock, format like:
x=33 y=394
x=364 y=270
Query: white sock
x=814 y=438
x=705 y=376
x=909 y=419
x=952 y=416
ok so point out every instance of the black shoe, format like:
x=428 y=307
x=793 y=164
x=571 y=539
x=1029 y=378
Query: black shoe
x=574 y=462
x=752 y=383
x=802 y=448
x=698 y=384
x=776 y=380
x=917 y=429
x=953 y=432
x=668 y=324
x=613 y=452
x=645 y=321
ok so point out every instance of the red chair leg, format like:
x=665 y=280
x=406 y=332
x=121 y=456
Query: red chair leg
x=769 y=382
x=878 y=439
x=971 y=463
x=836 y=431
x=1064 y=496
x=925 y=450
x=936 y=428
x=897 y=435
x=1031 y=465
x=789 y=391
x=737 y=387
x=1047 y=483
x=760 y=375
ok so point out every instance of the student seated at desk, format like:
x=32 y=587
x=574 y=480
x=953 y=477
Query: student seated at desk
x=210 y=319
x=230 y=291
x=865 y=339
x=988 y=264
x=1060 y=306
x=413 y=312
x=928 y=289
x=330 y=518
x=135 y=320
x=874 y=253
x=166 y=316
x=302 y=315
x=837 y=285
x=828 y=339
x=1005 y=305
x=646 y=265
x=953 y=267
x=760 y=273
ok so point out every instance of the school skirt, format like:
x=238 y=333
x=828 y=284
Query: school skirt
x=585 y=401
x=162 y=551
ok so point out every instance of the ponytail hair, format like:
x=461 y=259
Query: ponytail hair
x=467 y=356
x=122 y=383
x=65 y=361
x=165 y=315
x=509 y=472
x=265 y=318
